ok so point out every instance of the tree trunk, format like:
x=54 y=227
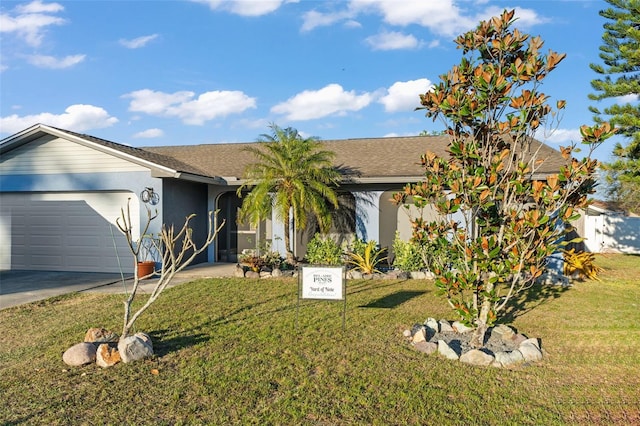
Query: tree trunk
x=287 y=239
x=477 y=340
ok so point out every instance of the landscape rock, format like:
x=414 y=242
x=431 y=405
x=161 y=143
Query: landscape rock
x=503 y=331
x=477 y=357
x=530 y=350
x=265 y=274
x=445 y=327
x=107 y=356
x=100 y=335
x=80 y=354
x=252 y=274
x=134 y=348
x=145 y=337
x=418 y=275
x=419 y=336
x=459 y=327
x=354 y=275
x=432 y=324
x=429 y=275
x=407 y=333
x=426 y=347
x=446 y=351
x=518 y=338
x=508 y=358
x=277 y=272
x=239 y=271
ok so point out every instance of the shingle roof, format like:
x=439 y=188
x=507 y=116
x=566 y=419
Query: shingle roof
x=392 y=158
x=370 y=157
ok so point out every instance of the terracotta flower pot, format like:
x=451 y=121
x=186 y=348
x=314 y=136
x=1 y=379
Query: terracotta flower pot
x=146 y=269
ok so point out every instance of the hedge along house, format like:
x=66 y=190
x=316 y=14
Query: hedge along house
x=60 y=193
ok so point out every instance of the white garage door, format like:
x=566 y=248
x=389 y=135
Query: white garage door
x=64 y=231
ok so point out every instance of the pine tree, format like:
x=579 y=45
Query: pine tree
x=620 y=81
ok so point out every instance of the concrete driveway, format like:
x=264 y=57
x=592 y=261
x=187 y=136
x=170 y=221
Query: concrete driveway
x=20 y=287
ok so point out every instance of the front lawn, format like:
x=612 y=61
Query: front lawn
x=229 y=351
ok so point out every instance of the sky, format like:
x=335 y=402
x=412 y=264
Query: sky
x=151 y=73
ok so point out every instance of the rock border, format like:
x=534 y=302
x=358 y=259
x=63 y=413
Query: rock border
x=243 y=271
x=504 y=346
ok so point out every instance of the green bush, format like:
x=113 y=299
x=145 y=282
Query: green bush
x=323 y=250
x=408 y=255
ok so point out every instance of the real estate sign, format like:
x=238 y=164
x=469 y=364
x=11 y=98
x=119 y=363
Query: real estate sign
x=322 y=283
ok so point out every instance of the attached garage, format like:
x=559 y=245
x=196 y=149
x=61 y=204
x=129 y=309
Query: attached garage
x=61 y=193
x=67 y=231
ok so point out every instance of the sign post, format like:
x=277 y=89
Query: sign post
x=322 y=283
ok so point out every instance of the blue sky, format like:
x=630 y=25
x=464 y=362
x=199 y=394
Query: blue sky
x=148 y=73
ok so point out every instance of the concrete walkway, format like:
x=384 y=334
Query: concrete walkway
x=20 y=287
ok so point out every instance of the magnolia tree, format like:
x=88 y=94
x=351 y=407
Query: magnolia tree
x=177 y=248
x=498 y=218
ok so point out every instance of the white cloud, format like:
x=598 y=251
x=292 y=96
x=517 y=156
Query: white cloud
x=138 y=42
x=314 y=19
x=330 y=100
x=392 y=40
x=627 y=99
x=30 y=21
x=558 y=136
x=44 y=61
x=244 y=7
x=149 y=134
x=78 y=118
x=191 y=110
x=38 y=7
x=446 y=18
x=404 y=95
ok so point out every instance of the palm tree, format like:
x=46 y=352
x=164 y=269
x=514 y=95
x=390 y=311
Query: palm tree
x=292 y=175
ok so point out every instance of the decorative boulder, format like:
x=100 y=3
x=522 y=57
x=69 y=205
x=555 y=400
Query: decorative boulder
x=530 y=350
x=477 y=357
x=80 y=354
x=426 y=347
x=145 y=337
x=100 y=335
x=134 y=348
x=106 y=356
x=508 y=358
x=505 y=332
x=460 y=327
x=445 y=350
x=432 y=324
x=419 y=336
x=239 y=271
x=445 y=327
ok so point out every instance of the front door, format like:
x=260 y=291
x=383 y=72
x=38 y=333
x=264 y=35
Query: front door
x=234 y=237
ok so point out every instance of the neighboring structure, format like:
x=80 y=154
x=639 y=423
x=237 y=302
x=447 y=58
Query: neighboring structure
x=607 y=229
x=61 y=192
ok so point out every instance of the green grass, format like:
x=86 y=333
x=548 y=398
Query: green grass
x=229 y=351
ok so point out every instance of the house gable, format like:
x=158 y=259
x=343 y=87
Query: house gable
x=49 y=154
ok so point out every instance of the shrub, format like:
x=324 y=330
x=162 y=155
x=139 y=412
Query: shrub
x=323 y=250
x=269 y=258
x=365 y=257
x=581 y=264
x=408 y=255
